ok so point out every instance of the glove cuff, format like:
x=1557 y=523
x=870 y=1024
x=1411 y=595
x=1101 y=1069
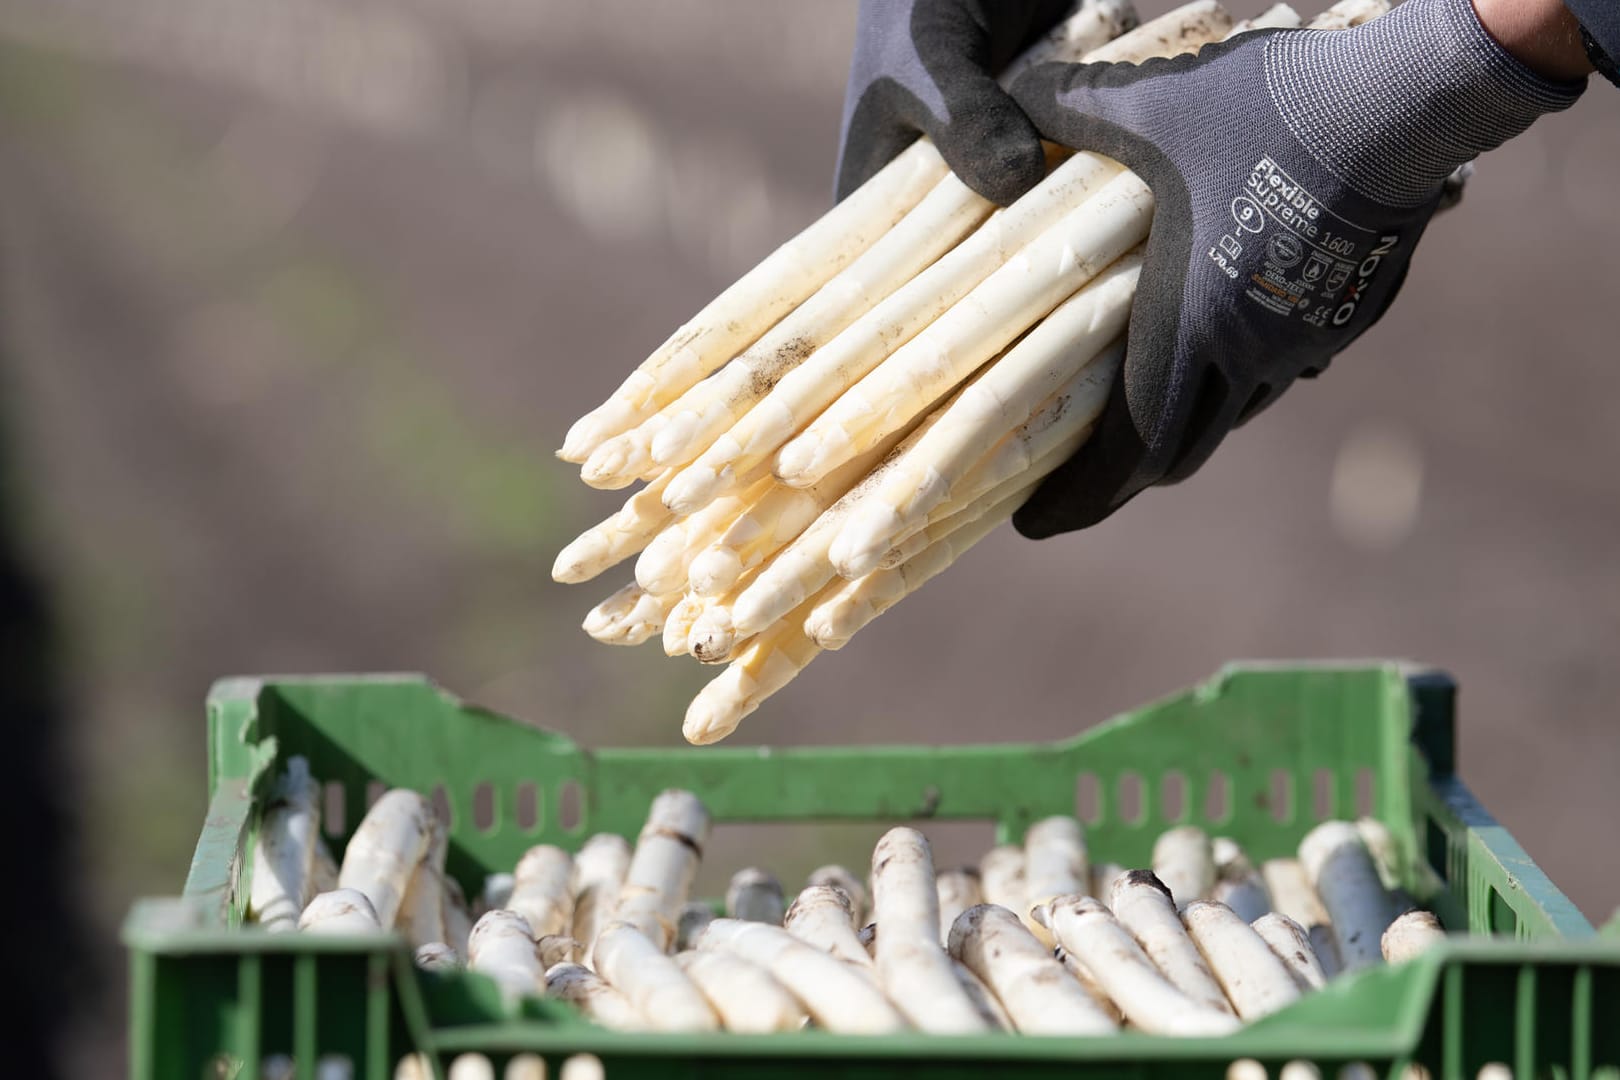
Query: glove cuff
x=1393 y=106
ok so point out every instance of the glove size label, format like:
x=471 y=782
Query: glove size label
x=1294 y=256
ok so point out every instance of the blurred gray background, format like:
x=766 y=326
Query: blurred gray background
x=298 y=298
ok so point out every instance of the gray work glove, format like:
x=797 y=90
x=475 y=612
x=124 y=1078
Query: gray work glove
x=1294 y=172
x=928 y=67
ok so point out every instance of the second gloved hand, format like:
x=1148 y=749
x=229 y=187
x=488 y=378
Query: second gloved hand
x=928 y=67
x=1293 y=172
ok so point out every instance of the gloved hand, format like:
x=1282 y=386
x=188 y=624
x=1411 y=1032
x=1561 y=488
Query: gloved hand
x=1293 y=172
x=928 y=67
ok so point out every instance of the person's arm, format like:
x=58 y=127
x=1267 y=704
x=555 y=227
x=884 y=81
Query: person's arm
x=1600 y=34
x=1543 y=34
x=1294 y=172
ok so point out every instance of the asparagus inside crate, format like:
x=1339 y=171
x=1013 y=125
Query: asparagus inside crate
x=871 y=401
x=1043 y=937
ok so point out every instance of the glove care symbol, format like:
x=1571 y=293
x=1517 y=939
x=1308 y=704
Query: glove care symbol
x=1364 y=275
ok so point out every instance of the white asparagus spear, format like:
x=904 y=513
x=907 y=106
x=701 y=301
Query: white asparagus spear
x=1055 y=864
x=543 y=891
x=1326 y=945
x=837 y=996
x=582 y=1067
x=1065 y=415
x=913 y=968
x=860 y=901
x=792 y=273
x=324 y=871
x=1291 y=892
x=458 y=921
x=470 y=1067
x=1185 y=29
x=390 y=840
x=1292 y=945
x=663 y=564
x=639 y=968
x=760 y=297
x=620 y=535
x=627 y=457
x=683 y=619
x=284 y=856
x=1103 y=876
x=1040 y=996
x=983 y=998
x=1002 y=879
x=1343 y=874
x=554 y=949
x=1255 y=980
x=843 y=609
x=1184 y=860
x=801 y=568
x=711 y=636
x=421 y=912
x=1238 y=884
x=950 y=519
x=525 y=1067
x=946 y=214
x=1385 y=852
x=629 y=616
x=756 y=896
x=497 y=891
x=1142 y=904
x=599 y=871
x=1348 y=13
x=1077 y=332
x=1013 y=298
x=773 y=522
x=1245 y=895
x=605 y=621
x=1094 y=24
x=758 y=668
x=1412 y=933
x=693 y=918
x=1277 y=16
x=1086 y=979
x=958 y=891
x=821 y=915
x=437 y=956
x=1038 y=446
x=341 y=911
x=1147 y=999
x=755 y=534
x=663 y=865
x=590 y=994
x=1292 y=895
x=744 y=995
x=502 y=947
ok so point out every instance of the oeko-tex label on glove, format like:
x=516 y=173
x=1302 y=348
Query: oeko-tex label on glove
x=1294 y=256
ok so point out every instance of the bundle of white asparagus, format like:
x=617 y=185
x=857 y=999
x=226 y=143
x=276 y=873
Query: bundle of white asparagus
x=1040 y=937
x=852 y=415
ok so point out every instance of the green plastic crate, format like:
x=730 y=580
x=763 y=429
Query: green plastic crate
x=1258 y=753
